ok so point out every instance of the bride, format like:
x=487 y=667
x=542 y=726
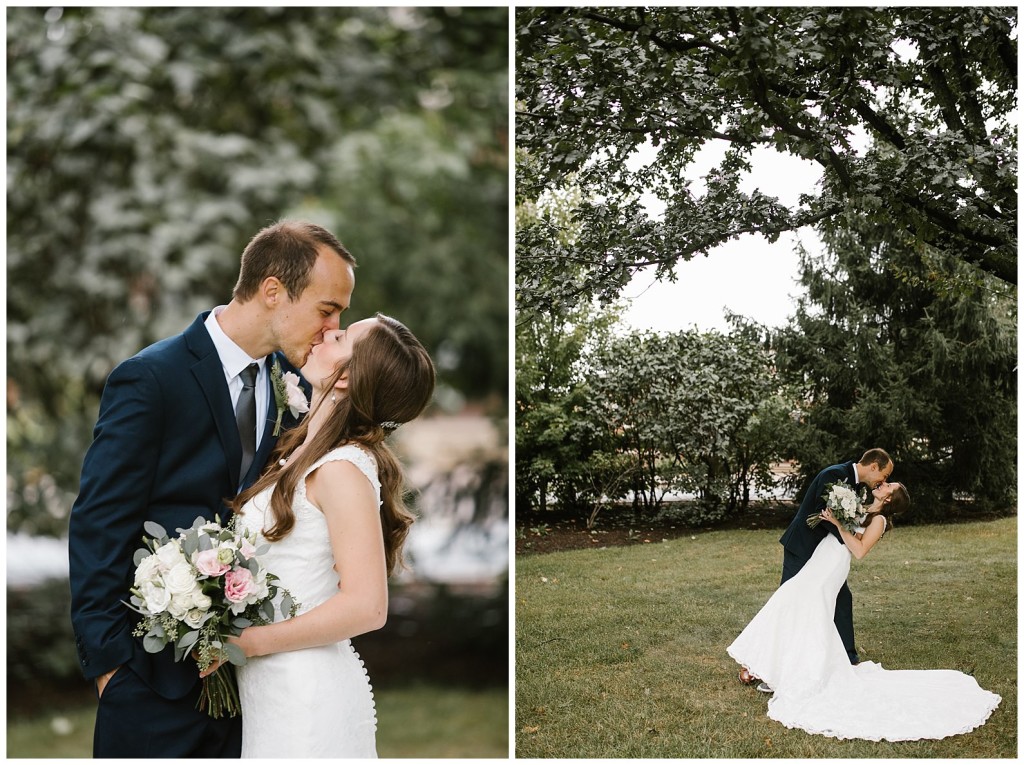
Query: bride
x=331 y=508
x=793 y=645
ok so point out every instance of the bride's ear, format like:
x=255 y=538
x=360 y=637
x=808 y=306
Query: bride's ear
x=342 y=383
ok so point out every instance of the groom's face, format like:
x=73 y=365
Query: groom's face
x=302 y=321
x=875 y=475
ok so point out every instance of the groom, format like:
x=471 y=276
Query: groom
x=799 y=540
x=183 y=425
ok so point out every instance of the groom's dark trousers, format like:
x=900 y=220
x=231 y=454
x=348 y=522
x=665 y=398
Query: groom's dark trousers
x=166 y=448
x=800 y=540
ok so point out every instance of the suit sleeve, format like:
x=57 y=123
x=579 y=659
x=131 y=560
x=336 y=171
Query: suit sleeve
x=828 y=477
x=106 y=520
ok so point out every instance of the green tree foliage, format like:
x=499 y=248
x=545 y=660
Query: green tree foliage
x=923 y=366
x=694 y=411
x=561 y=449
x=147 y=145
x=934 y=89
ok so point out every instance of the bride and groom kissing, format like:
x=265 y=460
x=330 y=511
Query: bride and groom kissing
x=800 y=646
x=188 y=427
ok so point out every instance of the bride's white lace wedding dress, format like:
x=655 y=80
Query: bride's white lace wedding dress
x=792 y=644
x=315 y=702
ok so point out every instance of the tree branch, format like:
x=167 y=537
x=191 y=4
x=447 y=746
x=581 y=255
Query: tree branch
x=725 y=236
x=674 y=46
x=881 y=126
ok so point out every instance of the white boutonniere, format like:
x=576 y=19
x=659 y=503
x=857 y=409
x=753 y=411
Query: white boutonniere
x=288 y=394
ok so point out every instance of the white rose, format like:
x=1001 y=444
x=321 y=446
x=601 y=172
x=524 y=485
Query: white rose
x=169 y=555
x=180 y=579
x=156 y=597
x=148 y=570
x=201 y=601
x=194 y=618
x=179 y=605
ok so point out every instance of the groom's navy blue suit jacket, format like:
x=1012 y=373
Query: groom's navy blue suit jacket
x=165 y=449
x=799 y=538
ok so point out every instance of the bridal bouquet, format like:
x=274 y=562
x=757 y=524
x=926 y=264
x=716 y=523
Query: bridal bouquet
x=845 y=505
x=196 y=590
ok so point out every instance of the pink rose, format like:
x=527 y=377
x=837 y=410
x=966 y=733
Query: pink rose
x=207 y=563
x=238 y=585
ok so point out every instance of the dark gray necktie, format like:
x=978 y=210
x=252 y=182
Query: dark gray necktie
x=245 y=416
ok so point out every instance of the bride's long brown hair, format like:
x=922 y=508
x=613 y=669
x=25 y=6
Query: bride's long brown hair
x=390 y=380
x=898 y=502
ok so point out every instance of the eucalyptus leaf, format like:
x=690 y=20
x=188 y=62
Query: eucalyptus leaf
x=153 y=643
x=189 y=639
x=190 y=543
x=235 y=654
x=154 y=529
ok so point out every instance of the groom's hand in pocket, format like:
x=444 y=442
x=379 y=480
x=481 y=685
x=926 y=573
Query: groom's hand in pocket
x=102 y=680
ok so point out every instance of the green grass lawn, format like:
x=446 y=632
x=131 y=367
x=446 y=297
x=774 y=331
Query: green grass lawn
x=620 y=652
x=419 y=721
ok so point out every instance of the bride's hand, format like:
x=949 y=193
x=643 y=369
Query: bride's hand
x=826 y=515
x=217 y=664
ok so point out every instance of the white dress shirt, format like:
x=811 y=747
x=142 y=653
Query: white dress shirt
x=234 y=360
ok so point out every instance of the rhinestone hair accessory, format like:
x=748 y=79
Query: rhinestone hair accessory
x=390 y=425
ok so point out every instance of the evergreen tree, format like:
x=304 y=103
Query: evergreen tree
x=902 y=347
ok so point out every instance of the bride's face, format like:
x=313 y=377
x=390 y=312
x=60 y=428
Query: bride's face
x=336 y=348
x=884 y=490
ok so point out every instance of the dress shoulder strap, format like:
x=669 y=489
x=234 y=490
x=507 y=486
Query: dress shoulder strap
x=358 y=457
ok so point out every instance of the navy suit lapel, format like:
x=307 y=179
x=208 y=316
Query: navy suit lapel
x=209 y=373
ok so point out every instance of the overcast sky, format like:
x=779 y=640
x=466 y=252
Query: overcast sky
x=748 y=276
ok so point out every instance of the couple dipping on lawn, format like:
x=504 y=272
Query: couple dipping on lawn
x=800 y=646
x=191 y=427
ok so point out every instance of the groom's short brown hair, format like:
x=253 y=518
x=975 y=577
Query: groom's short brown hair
x=876 y=457
x=287 y=250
